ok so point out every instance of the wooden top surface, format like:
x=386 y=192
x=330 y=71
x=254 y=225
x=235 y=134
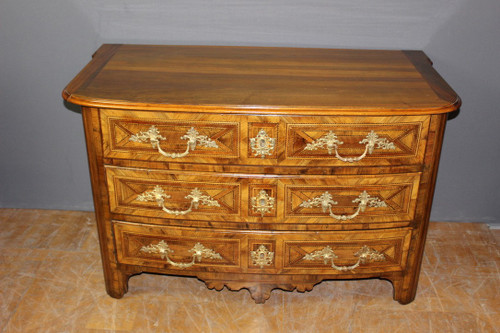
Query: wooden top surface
x=261 y=80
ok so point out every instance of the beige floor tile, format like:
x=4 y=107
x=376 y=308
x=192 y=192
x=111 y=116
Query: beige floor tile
x=51 y=281
x=496 y=235
x=409 y=321
x=18 y=271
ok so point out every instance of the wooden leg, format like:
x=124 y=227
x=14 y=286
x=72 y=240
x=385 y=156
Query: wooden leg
x=401 y=294
x=117 y=283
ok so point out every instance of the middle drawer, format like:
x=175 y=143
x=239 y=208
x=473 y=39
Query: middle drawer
x=345 y=199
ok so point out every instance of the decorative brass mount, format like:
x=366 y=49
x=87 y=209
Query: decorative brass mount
x=192 y=136
x=365 y=255
x=198 y=252
x=262 y=203
x=331 y=143
x=262 y=256
x=326 y=201
x=196 y=197
x=262 y=144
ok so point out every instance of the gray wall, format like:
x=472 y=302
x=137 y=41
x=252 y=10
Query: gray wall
x=43 y=44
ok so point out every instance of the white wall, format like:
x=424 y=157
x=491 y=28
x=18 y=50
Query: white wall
x=43 y=44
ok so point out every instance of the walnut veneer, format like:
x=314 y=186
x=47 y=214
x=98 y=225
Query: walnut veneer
x=262 y=168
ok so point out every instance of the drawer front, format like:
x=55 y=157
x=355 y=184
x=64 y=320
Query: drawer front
x=365 y=251
x=187 y=249
x=174 y=195
x=176 y=248
x=357 y=141
x=264 y=140
x=170 y=137
x=345 y=199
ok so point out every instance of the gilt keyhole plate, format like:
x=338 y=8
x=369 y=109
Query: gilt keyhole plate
x=262 y=203
x=262 y=257
x=262 y=145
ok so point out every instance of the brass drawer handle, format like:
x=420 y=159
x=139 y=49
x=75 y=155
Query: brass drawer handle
x=330 y=142
x=262 y=144
x=365 y=255
x=196 y=196
x=192 y=136
x=326 y=201
x=198 y=252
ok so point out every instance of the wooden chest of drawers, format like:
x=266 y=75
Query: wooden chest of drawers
x=262 y=168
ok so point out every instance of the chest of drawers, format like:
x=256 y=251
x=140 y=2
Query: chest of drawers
x=262 y=168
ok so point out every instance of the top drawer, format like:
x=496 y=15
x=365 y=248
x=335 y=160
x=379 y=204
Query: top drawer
x=264 y=140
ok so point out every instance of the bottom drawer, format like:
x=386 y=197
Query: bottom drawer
x=265 y=252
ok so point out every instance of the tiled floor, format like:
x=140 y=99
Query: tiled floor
x=51 y=281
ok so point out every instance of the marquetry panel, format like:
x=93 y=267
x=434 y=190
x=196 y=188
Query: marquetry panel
x=402 y=140
x=393 y=198
x=136 y=246
x=171 y=195
x=390 y=246
x=119 y=129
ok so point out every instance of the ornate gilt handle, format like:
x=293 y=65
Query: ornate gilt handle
x=326 y=201
x=198 y=252
x=196 y=197
x=331 y=143
x=192 y=136
x=365 y=254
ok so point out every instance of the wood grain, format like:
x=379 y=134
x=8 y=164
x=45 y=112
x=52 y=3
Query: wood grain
x=259 y=79
x=234 y=192
x=289 y=249
x=228 y=95
x=232 y=134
